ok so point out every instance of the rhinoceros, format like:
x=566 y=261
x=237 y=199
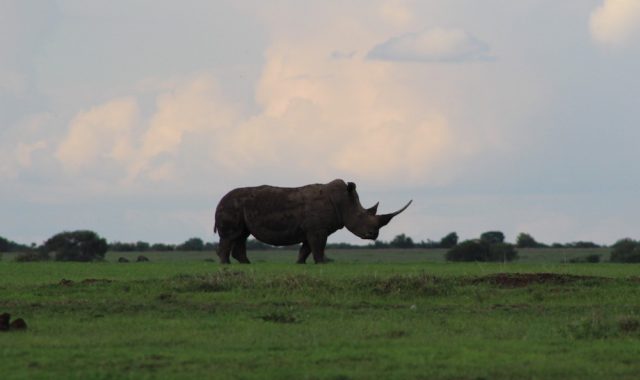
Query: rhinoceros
x=292 y=215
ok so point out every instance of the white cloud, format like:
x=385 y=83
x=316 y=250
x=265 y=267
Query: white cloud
x=316 y=118
x=103 y=133
x=396 y=12
x=326 y=118
x=193 y=106
x=25 y=151
x=22 y=141
x=432 y=45
x=615 y=22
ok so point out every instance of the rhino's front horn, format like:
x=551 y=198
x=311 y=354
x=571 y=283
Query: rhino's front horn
x=384 y=219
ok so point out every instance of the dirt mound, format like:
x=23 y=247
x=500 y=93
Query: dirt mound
x=90 y=281
x=279 y=318
x=4 y=321
x=518 y=280
x=16 y=324
x=86 y=281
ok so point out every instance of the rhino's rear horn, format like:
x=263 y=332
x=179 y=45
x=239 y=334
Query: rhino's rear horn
x=384 y=219
x=374 y=209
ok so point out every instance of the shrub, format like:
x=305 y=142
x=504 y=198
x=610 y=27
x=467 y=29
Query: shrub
x=449 y=241
x=5 y=245
x=468 y=250
x=193 y=244
x=502 y=252
x=492 y=237
x=582 y=244
x=595 y=258
x=626 y=251
x=402 y=241
x=592 y=258
x=76 y=246
x=526 y=241
x=163 y=247
x=479 y=250
x=32 y=256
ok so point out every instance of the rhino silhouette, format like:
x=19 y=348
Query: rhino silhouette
x=292 y=215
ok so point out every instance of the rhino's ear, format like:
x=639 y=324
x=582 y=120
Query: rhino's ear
x=351 y=187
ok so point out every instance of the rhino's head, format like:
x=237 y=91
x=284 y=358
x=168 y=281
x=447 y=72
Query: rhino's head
x=364 y=222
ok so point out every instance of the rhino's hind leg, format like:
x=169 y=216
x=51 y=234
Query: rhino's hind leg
x=317 y=243
x=224 y=250
x=239 y=251
x=304 y=252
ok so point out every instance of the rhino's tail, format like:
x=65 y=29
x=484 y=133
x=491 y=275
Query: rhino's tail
x=215 y=227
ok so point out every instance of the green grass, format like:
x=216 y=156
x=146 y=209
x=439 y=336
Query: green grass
x=370 y=314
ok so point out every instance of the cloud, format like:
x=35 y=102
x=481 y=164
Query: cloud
x=103 y=133
x=395 y=12
x=432 y=45
x=343 y=54
x=328 y=118
x=118 y=133
x=315 y=118
x=615 y=22
x=193 y=106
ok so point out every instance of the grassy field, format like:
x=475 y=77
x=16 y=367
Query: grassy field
x=370 y=314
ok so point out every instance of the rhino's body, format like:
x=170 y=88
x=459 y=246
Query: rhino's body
x=285 y=216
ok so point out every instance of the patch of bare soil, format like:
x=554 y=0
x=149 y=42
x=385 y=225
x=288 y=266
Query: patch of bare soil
x=279 y=318
x=86 y=281
x=519 y=280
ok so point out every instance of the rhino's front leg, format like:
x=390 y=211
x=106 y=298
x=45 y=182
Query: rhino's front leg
x=304 y=252
x=239 y=251
x=317 y=243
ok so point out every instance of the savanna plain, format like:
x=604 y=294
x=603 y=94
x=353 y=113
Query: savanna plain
x=388 y=314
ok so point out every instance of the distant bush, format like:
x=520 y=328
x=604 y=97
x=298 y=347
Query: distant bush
x=80 y=245
x=255 y=245
x=193 y=244
x=626 y=251
x=378 y=244
x=527 y=241
x=449 y=241
x=492 y=237
x=586 y=259
x=402 y=241
x=161 y=247
x=582 y=244
x=481 y=250
x=5 y=245
x=30 y=256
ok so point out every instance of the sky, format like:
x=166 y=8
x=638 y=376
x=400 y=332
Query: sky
x=133 y=118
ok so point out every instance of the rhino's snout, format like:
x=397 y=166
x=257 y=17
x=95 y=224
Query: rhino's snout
x=373 y=235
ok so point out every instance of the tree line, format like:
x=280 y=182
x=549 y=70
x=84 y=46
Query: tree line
x=84 y=245
x=450 y=240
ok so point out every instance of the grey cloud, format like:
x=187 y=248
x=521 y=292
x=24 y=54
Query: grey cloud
x=432 y=45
